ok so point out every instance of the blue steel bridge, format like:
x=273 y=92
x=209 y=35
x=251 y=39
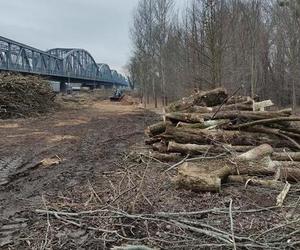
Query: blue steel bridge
x=65 y=65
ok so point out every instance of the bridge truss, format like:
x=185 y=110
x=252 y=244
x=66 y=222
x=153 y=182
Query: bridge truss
x=61 y=64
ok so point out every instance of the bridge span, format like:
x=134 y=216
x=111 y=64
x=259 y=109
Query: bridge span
x=65 y=65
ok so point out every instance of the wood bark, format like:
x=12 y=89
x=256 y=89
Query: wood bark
x=244 y=115
x=256 y=153
x=198 y=136
x=166 y=157
x=203 y=98
x=245 y=179
x=276 y=132
x=286 y=156
x=288 y=174
x=157 y=128
x=266 y=121
x=202 y=183
x=211 y=98
x=204 y=124
x=238 y=99
x=195 y=149
x=160 y=147
x=151 y=141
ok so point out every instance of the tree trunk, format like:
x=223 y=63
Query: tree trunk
x=157 y=128
x=245 y=115
x=256 y=153
x=286 y=156
x=206 y=137
x=194 y=149
x=243 y=179
x=204 y=98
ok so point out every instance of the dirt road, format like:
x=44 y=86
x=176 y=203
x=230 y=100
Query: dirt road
x=94 y=198
x=86 y=138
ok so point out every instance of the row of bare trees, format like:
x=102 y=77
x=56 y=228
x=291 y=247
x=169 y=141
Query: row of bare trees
x=211 y=43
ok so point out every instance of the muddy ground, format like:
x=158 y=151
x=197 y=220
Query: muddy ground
x=93 y=141
x=88 y=138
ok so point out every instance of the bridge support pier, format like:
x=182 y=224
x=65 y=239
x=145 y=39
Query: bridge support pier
x=63 y=87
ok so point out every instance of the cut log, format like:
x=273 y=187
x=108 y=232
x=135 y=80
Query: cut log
x=244 y=106
x=199 y=109
x=238 y=99
x=204 y=124
x=151 y=141
x=193 y=178
x=203 y=183
x=244 y=179
x=266 y=121
x=181 y=105
x=256 y=153
x=185 y=117
x=166 y=157
x=286 y=156
x=210 y=98
x=287 y=164
x=160 y=147
x=198 y=136
x=276 y=132
x=223 y=172
x=263 y=166
x=261 y=106
x=157 y=128
x=203 y=98
x=251 y=115
x=242 y=115
x=288 y=174
x=195 y=149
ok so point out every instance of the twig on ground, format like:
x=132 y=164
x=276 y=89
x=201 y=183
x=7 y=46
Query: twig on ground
x=231 y=224
x=177 y=164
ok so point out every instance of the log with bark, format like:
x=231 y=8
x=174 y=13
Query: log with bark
x=166 y=157
x=157 y=128
x=203 y=98
x=252 y=143
x=195 y=149
x=193 y=179
x=232 y=115
x=250 y=180
x=256 y=153
x=204 y=137
x=286 y=156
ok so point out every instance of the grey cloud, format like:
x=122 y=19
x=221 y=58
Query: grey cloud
x=100 y=26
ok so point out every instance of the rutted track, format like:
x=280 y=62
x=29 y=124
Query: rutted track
x=87 y=140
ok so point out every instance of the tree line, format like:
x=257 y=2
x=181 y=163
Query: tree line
x=253 y=45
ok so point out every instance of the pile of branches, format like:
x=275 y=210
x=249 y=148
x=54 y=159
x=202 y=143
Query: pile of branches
x=132 y=205
x=213 y=124
x=23 y=96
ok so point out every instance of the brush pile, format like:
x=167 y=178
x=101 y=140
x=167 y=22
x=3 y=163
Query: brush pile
x=23 y=96
x=213 y=125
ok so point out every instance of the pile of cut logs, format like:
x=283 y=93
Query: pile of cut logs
x=213 y=124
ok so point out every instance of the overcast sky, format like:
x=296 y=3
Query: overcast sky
x=99 y=26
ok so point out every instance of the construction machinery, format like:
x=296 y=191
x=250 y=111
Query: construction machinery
x=117 y=96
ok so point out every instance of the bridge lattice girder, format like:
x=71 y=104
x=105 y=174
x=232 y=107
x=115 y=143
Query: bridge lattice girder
x=60 y=62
